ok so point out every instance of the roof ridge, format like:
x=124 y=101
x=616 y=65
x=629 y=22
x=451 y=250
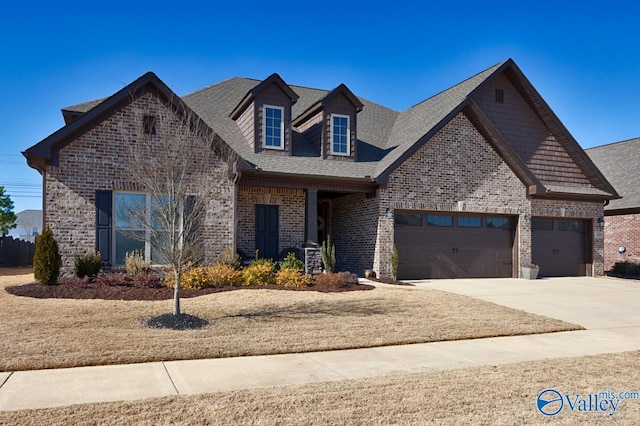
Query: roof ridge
x=614 y=143
x=219 y=83
x=493 y=67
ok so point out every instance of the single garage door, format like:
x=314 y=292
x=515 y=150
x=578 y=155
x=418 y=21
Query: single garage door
x=559 y=246
x=438 y=245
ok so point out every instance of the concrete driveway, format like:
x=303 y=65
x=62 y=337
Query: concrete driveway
x=594 y=303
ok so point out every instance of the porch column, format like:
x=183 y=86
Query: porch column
x=312 y=216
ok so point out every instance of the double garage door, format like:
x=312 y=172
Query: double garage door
x=441 y=245
x=437 y=245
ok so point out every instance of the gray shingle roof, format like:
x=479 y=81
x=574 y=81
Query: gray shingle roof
x=214 y=104
x=84 y=106
x=418 y=120
x=384 y=135
x=619 y=163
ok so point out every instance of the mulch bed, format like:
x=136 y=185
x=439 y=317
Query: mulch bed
x=62 y=291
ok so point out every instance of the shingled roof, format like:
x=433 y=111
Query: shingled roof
x=619 y=163
x=385 y=137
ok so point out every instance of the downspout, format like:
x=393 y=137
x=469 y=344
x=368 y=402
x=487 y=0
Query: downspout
x=44 y=199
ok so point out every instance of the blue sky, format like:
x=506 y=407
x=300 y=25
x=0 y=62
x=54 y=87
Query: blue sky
x=583 y=57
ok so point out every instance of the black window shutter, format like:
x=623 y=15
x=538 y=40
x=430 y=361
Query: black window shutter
x=103 y=225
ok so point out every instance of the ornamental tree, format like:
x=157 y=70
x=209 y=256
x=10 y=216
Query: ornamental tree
x=7 y=217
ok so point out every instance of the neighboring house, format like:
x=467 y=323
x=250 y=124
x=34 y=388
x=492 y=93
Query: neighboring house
x=28 y=225
x=619 y=163
x=476 y=181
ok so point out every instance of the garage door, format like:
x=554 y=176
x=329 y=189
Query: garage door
x=437 y=245
x=559 y=246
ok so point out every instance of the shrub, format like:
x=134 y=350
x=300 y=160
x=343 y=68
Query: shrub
x=328 y=253
x=135 y=264
x=46 y=259
x=196 y=278
x=200 y=277
x=151 y=280
x=291 y=262
x=229 y=258
x=335 y=279
x=225 y=275
x=349 y=278
x=259 y=272
x=112 y=279
x=88 y=265
x=292 y=278
x=631 y=269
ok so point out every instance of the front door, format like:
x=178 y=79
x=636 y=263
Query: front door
x=267 y=231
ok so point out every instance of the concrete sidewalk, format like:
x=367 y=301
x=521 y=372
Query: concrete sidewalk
x=59 y=387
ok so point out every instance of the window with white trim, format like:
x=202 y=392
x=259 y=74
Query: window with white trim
x=273 y=127
x=132 y=212
x=340 y=134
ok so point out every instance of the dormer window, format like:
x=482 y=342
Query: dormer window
x=340 y=134
x=273 y=127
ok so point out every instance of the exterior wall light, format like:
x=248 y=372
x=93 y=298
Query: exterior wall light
x=527 y=218
x=389 y=213
x=600 y=222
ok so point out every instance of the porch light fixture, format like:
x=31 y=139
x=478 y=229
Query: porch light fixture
x=527 y=218
x=601 y=222
x=389 y=213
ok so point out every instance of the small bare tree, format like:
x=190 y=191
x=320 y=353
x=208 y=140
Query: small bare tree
x=181 y=166
x=30 y=221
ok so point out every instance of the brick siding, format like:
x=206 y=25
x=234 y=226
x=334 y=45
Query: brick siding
x=354 y=231
x=622 y=230
x=97 y=160
x=291 y=216
x=456 y=170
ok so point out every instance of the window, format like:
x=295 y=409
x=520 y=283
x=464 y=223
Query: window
x=470 y=221
x=409 y=219
x=569 y=225
x=273 y=127
x=498 y=223
x=499 y=96
x=439 y=220
x=129 y=230
x=340 y=134
x=542 y=225
x=149 y=124
x=132 y=212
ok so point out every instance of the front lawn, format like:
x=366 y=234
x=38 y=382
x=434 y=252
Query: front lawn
x=53 y=333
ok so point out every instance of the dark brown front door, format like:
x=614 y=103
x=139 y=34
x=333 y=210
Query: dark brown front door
x=267 y=220
x=559 y=246
x=441 y=245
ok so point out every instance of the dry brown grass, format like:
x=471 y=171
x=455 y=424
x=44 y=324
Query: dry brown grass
x=504 y=394
x=53 y=333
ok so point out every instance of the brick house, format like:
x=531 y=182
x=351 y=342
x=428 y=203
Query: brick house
x=476 y=181
x=618 y=162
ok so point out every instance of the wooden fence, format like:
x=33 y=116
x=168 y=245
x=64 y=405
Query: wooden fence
x=15 y=252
